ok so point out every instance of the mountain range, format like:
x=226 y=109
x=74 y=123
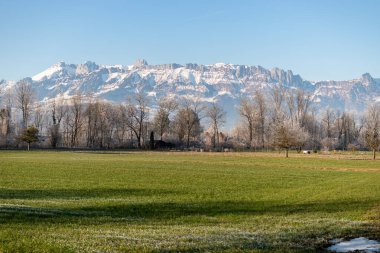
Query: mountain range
x=220 y=82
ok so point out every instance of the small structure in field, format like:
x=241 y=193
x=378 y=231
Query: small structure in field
x=306 y=152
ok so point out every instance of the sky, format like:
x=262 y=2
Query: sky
x=318 y=39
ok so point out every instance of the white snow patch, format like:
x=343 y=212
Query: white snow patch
x=357 y=244
x=118 y=66
x=151 y=94
x=210 y=100
x=224 y=92
x=54 y=71
x=107 y=88
x=47 y=73
x=220 y=64
x=7 y=86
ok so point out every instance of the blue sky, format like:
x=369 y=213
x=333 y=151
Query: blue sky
x=318 y=39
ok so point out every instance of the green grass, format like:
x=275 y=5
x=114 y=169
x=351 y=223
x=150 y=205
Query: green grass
x=192 y=202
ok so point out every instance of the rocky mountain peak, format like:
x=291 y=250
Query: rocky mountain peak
x=86 y=68
x=366 y=77
x=140 y=63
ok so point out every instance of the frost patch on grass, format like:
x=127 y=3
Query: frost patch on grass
x=358 y=244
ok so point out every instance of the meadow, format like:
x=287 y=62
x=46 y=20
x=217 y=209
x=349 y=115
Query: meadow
x=185 y=202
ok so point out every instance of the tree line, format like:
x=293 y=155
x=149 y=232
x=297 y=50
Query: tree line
x=279 y=119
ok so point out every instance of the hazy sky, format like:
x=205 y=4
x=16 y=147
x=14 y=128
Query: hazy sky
x=318 y=39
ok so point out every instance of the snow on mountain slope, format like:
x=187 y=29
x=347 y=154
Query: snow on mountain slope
x=223 y=83
x=55 y=71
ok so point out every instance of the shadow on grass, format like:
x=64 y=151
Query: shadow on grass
x=78 y=193
x=215 y=208
x=167 y=211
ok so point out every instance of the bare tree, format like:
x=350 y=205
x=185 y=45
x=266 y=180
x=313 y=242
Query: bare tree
x=314 y=128
x=92 y=114
x=100 y=124
x=372 y=128
x=303 y=106
x=347 y=130
x=24 y=100
x=109 y=125
x=121 y=127
x=8 y=129
x=196 y=104
x=277 y=100
x=3 y=117
x=247 y=112
x=288 y=135
x=39 y=117
x=217 y=117
x=137 y=112
x=58 y=112
x=3 y=123
x=75 y=119
x=161 y=119
x=193 y=113
x=259 y=100
x=298 y=106
x=328 y=121
x=187 y=124
x=179 y=125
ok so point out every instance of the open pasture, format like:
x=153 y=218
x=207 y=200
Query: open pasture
x=187 y=202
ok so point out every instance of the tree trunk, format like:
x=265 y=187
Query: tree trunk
x=28 y=146
x=374 y=154
x=286 y=152
x=139 y=142
x=250 y=135
x=151 y=141
x=217 y=137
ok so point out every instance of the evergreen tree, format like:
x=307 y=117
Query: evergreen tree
x=30 y=135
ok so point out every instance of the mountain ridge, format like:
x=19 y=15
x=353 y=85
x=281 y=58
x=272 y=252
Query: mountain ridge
x=221 y=82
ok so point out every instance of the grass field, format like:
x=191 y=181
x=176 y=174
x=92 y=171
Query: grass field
x=187 y=202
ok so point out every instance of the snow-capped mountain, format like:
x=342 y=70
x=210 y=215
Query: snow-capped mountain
x=223 y=83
